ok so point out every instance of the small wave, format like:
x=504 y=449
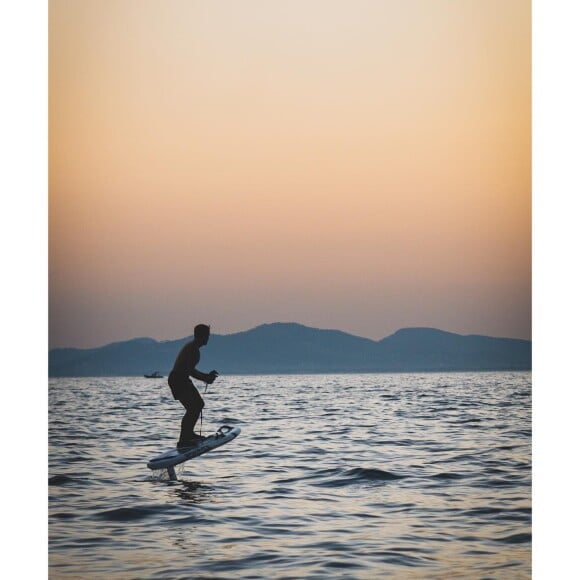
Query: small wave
x=505 y=482
x=500 y=514
x=373 y=474
x=60 y=479
x=127 y=514
x=447 y=475
x=405 y=442
x=400 y=558
x=63 y=516
x=360 y=475
x=483 y=511
x=314 y=450
x=77 y=459
x=76 y=480
x=517 y=539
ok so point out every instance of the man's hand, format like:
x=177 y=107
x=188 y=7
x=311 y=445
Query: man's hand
x=211 y=377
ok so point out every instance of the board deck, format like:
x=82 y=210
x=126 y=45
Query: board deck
x=176 y=456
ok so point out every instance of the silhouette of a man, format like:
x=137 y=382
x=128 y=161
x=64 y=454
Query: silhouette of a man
x=184 y=390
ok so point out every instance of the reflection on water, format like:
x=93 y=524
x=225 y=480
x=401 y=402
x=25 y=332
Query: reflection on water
x=371 y=476
x=191 y=492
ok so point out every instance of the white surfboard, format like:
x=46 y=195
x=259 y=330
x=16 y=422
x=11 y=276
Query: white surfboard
x=173 y=457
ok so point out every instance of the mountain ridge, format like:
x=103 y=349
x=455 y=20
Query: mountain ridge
x=292 y=348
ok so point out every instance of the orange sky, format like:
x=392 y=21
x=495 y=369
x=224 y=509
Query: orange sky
x=352 y=164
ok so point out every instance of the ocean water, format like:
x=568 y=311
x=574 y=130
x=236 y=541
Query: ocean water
x=333 y=476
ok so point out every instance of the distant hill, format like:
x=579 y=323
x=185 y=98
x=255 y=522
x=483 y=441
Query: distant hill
x=294 y=348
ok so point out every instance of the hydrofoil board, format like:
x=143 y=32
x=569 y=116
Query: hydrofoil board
x=173 y=457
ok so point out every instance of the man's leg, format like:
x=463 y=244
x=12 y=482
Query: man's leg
x=193 y=404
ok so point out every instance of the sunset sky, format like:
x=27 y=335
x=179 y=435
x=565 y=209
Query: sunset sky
x=363 y=165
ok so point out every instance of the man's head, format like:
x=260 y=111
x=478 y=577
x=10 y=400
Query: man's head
x=201 y=333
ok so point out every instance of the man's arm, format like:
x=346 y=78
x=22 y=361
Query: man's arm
x=208 y=378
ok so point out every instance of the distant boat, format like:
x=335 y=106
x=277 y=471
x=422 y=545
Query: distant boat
x=154 y=375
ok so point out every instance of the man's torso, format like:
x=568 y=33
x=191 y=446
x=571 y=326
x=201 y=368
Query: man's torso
x=187 y=359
